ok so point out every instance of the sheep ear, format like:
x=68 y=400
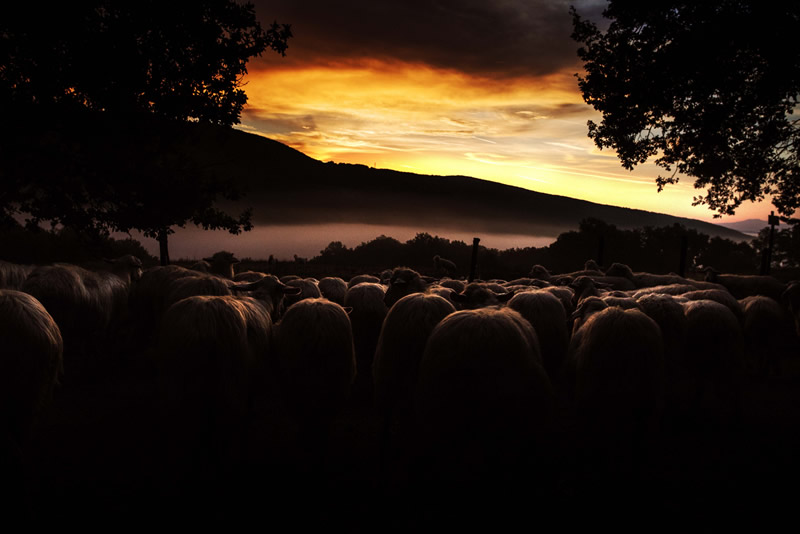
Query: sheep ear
x=244 y=286
x=290 y=290
x=428 y=279
x=348 y=309
x=786 y=296
x=399 y=282
x=504 y=297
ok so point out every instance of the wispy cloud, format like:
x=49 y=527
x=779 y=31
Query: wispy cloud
x=484 y=89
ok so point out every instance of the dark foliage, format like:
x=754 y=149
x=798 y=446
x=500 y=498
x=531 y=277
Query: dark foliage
x=95 y=101
x=39 y=246
x=649 y=249
x=706 y=88
x=181 y=60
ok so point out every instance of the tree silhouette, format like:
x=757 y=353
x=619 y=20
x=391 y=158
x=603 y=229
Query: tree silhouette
x=707 y=88
x=99 y=102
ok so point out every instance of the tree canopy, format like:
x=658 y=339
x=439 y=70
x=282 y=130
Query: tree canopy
x=182 y=59
x=708 y=89
x=97 y=97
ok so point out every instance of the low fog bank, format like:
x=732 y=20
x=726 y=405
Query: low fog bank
x=306 y=241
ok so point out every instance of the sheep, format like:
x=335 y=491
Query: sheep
x=741 y=286
x=192 y=286
x=148 y=297
x=13 y=275
x=547 y=316
x=526 y=282
x=444 y=292
x=483 y=403
x=766 y=333
x=269 y=291
x=480 y=295
x=592 y=265
x=641 y=280
x=248 y=276
x=333 y=288
x=385 y=275
x=31 y=363
x=309 y=289
x=201 y=266
x=402 y=340
x=368 y=312
x=586 y=308
x=404 y=332
x=670 y=289
x=211 y=358
x=714 y=356
x=564 y=294
x=617 y=361
x=315 y=371
x=84 y=302
x=361 y=278
x=619 y=368
x=456 y=285
x=60 y=289
x=668 y=314
x=495 y=286
x=404 y=281
x=721 y=296
x=222 y=264
x=584 y=287
x=442 y=266
x=791 y=300
x=540 y=272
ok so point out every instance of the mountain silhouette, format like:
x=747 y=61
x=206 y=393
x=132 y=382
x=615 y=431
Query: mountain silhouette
x=284 y=186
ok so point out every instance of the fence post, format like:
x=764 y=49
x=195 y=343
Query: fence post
x=474 y=263
x=766 y=262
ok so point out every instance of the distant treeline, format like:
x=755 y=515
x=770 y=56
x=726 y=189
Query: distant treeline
x=650 y=249
x=35 y=245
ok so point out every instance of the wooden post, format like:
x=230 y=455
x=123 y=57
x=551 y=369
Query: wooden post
x=767 y=263
x=474 y=263
x=163 y=247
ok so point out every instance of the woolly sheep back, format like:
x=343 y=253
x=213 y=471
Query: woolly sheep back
x=333 y=288
x=314 y=357
x=31 y=360
x=619 y=368
x=484 y=402
x=404 y=281
x=13 y=275
x=405 y=331
x=546 y=314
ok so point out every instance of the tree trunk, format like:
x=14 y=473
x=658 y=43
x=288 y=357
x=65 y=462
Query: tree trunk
x=163 y=247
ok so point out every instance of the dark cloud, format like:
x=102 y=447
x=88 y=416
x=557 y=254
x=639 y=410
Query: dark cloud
x=493 y=38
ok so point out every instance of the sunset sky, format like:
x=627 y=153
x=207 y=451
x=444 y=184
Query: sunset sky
x=478 y=88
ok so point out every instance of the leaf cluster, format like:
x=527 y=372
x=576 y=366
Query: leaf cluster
x=707 y=89
x=181 y=60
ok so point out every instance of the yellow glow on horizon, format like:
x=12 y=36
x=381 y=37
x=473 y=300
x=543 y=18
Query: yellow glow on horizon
x=526 y=132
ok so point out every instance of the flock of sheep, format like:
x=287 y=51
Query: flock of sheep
x=571 y=385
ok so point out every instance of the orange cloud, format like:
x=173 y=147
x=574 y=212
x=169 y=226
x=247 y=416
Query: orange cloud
x=527 y=131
